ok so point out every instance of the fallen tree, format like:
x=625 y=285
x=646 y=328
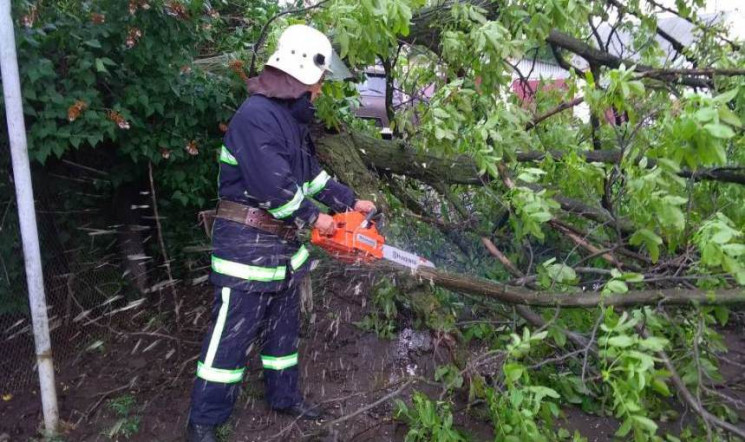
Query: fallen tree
x=621 y=214
x=514 y=296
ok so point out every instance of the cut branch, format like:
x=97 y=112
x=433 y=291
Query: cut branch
x=511 y=295
x=584 y=244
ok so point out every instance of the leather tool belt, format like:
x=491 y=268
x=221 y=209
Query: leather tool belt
x=254 y=217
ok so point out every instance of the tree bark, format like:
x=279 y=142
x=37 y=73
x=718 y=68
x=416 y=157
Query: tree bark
x=397 y=158
x=515 y=296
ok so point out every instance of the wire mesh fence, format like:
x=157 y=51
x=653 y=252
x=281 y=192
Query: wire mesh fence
x=86 y=268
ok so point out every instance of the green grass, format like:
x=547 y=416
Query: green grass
x=128 y=423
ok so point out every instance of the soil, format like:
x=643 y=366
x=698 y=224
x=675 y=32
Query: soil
x=344 y=369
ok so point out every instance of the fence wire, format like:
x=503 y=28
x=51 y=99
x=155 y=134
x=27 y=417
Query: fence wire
x=84 y=278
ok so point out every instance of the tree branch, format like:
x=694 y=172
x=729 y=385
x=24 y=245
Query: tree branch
x=696 y=23
x=689 y=399
x=560 y=108
x=511 y=295
x=674 y=43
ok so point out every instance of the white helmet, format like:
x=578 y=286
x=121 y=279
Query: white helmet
x=302 y=52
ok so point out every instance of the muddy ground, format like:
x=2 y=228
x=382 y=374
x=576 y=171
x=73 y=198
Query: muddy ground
x=149 y=375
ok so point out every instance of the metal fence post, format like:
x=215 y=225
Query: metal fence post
x=27 y=217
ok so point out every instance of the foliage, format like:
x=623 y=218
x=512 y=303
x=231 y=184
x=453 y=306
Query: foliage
x=119 y=85
x=127 y=423
x=628 y=368
x=382 y=321
x=523 y=411
x=427 y=420
x=717 y=239
x=122 y=79
x=13 y=275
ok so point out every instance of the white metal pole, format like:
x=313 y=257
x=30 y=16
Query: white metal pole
x=27 y=217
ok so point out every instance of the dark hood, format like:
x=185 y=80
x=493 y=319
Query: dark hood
x=273 y=83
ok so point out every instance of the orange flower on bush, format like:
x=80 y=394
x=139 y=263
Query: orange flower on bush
x=132 y=37
x=165 y=153
x=223 y=127
x=135 y=4
x=118 y=118
x=98 y=19
x=176 y=9
x=74 y=111
x=29 y=19
x=191 y=148
x=237 y=67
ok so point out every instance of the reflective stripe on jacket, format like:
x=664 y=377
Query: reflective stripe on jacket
x=267 y=161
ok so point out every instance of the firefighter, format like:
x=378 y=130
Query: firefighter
x=268 y=174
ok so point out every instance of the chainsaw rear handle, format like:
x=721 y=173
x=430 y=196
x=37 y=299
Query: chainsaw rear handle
x=350 y=241
x=370 y=215
x=340 y=223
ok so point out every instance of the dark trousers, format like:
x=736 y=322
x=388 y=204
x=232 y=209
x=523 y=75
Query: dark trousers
x=237 y=319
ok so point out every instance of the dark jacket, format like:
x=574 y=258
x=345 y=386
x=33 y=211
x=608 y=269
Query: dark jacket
x=268 y=161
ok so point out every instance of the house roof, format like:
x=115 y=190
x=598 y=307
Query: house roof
x=620 y=41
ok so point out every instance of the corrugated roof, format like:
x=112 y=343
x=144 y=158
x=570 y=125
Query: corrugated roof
x=620 y=42
x=539 y=69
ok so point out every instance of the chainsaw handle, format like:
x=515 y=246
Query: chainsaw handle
x=366 y=223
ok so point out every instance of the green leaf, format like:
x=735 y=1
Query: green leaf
x=660 y=387
x=718 y=130
x=654 y=343
x=100 y=66
x=706 y=114
x=616 y=286
x=734 y=250
x=729 y=117
x=621 y=341
x=671 y=217
x=513 y=371
x=726 y=97
x=633 y=277
x=722 y=314
x=624 y=429
x=440 y=113
x=645 y=422
x=723 y=236
x=561 y=273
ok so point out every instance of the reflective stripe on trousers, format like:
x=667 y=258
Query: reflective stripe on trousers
x=258 y=273
x=238 y=318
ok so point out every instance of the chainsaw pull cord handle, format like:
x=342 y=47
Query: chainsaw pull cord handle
x=366 y=223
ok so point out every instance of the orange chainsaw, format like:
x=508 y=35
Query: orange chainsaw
x=357 y=239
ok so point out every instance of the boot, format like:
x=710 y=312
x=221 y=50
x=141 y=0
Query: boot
x=200 y=433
